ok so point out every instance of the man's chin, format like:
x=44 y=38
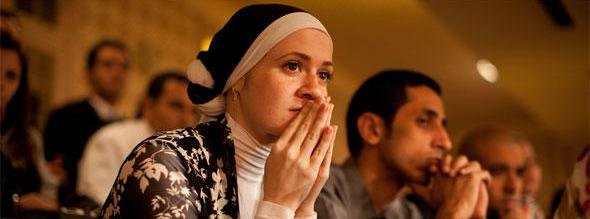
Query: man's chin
x=421 y=178
x=510 y=209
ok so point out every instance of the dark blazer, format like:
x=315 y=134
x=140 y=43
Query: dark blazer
x=66 y=133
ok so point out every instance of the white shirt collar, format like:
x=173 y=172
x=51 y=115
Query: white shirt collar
x=104 y=109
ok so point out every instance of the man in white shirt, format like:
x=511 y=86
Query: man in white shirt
x=166 y=107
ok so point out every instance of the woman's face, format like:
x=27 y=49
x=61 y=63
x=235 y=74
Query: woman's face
x=10 y=74
x=294 y=71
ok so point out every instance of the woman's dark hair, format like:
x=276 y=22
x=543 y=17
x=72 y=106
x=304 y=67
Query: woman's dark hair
x=19 y=145
x=382 y=94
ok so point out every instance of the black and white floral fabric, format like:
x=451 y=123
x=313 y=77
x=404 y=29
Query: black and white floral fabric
x=185 y=173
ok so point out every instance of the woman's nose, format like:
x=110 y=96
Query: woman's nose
x=312 y=89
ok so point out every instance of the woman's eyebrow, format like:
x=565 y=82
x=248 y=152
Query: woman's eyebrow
x=304 y=57
x=298 y=54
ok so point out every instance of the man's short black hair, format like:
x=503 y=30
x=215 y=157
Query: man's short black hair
x=93 y=53
x=156 y=86
x=382 y=94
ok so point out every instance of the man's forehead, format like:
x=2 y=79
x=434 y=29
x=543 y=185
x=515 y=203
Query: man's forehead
x=505 y=153
x=110 y=50
x=425 y=100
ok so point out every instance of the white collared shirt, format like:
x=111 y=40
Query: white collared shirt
x=105 y=110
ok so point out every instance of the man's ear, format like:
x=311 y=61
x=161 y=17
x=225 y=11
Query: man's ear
x=371 y=127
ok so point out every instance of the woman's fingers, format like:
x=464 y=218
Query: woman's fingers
x=322 y=148
x=328 y=157
x=303 y=128
x=324 y=171
x=307 y=206
x=315 y=132
x=294 y=124
x=331 y=109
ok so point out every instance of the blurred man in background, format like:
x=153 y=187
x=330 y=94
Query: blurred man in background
x=69 y=127
x=502 y=153
x=166 y=107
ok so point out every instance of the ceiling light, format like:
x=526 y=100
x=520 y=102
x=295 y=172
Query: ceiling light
x=487 y=70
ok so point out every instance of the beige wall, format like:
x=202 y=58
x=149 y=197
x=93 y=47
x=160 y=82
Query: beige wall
x=161 y=35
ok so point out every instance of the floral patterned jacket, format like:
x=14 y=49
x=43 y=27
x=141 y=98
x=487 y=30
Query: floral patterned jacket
x=185 y=173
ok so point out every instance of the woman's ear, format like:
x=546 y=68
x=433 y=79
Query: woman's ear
x=371 y=127
x=239 y=85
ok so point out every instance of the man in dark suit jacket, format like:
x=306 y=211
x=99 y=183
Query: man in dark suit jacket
x=69 y=127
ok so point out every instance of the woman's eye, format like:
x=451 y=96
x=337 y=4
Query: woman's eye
x=326 y=76
x=293 y=66
x=11 y=75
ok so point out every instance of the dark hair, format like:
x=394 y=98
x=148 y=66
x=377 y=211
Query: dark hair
x=19 y=146
x=7 y=14
x=156 y=86
x=382 y=94
x=93 y=53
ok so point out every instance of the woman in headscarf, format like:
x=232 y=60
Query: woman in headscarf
x=264 y=149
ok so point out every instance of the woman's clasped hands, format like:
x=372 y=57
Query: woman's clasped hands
x=299 y=163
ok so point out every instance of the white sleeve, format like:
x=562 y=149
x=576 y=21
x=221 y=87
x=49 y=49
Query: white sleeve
x=267 y=210
x=97 y=168
x=314 y=216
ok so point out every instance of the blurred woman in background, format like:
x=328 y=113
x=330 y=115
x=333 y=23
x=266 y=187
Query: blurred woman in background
x=27 y=186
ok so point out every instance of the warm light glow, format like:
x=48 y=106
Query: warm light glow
x=205 y=43
x=487 y=70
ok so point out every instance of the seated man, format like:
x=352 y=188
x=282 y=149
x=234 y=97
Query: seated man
x=69 y=127
x=397 y=136
x=166 y=107
x=500 y=151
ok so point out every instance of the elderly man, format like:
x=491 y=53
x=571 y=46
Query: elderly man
x=502 y=152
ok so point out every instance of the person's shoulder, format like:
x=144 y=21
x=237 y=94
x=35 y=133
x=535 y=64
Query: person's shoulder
x=72 y=107
x=175 y=140
x=116 y=127
x=115 y=131
x=337 y=178
x=334 y=199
